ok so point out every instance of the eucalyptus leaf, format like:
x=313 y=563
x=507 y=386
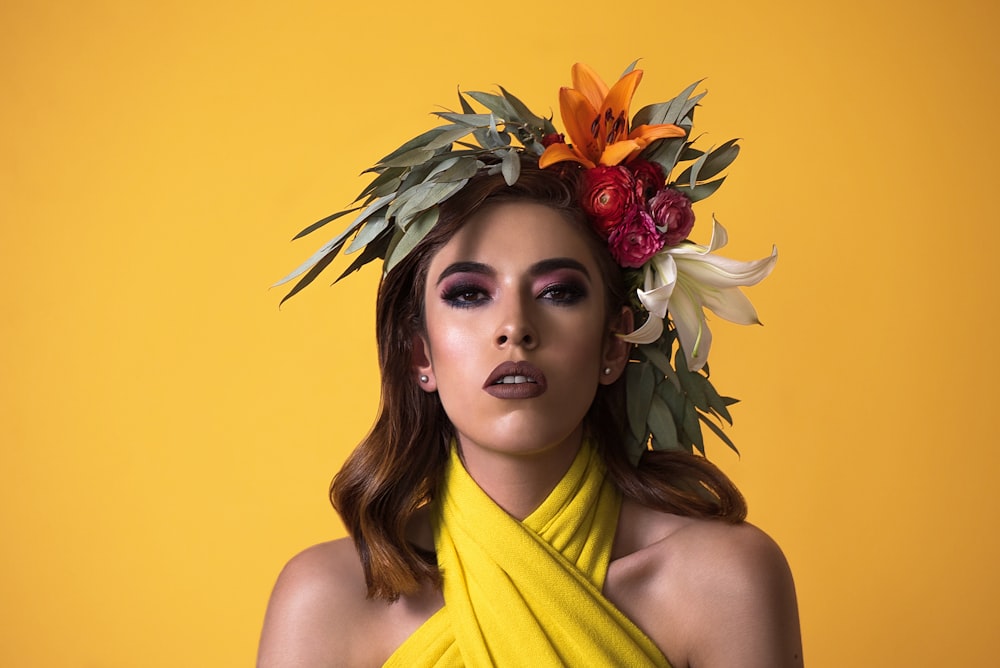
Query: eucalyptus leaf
x=323 y=221
x=405 y=241
x=718 y=432
x=639 y=385
x=661 y=423
x=373 y=251
x=673 y=111
x=331 y=247
x=715 y=402
x=470 y=120
x=521 y=110
x=411 y=158
x=510 y=165
x=448 y=137
x=661 y=361
x=388 y=175
x=692 y=427
x=419 y=141
x=700 y=191
x=495 y=103
x=634 y=448
x=464 y=168
x=424 y=197
x=665 y=152
x=710 y=164
x=374 y=227
x=315 y=270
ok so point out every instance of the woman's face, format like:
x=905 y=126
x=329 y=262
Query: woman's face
x=515 y=329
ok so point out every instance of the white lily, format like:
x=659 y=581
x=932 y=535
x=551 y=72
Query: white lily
x=684 y=280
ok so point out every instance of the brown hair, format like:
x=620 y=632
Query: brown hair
x=397 y=467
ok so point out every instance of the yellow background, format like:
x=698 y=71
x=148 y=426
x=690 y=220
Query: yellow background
x=168 y=433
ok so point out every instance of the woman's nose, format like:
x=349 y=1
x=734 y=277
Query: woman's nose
x=516 y=327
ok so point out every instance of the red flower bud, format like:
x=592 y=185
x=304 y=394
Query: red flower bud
x=553 y=138
x=672 y=212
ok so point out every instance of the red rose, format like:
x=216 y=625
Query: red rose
x=607 y=195
x=672 y=212
x=649 y=177
x=636 y=240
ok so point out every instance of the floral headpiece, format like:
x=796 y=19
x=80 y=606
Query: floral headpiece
x=637 y=197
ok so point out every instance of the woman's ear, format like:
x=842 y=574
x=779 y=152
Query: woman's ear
x=422 y=366
x=616 y=349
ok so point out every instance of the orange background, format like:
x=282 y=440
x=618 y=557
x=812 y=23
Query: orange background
x=168 y=433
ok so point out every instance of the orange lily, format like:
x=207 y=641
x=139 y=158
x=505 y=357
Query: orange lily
x=596 y=119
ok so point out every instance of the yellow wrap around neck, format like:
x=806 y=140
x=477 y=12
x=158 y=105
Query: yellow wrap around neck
x=527 y=593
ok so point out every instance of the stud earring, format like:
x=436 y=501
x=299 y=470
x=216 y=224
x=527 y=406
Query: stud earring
x=424 y=378
x=607 y=371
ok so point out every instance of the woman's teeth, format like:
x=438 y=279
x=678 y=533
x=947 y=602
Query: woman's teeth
x=509 y=380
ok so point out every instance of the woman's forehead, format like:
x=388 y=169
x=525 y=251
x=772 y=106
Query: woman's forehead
x=520 y=230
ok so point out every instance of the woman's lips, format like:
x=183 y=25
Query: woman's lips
x=515 y=380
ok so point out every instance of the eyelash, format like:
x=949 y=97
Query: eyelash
x=470 y=295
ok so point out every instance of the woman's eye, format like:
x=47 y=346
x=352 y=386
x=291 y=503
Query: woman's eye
x=464 y=296
x=564 y=294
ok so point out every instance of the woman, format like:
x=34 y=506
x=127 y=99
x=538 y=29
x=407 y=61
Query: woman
x=495 y=513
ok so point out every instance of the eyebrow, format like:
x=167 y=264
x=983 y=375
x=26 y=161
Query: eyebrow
x=540 y=267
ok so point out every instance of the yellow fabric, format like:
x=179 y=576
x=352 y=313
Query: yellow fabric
x=527 y=593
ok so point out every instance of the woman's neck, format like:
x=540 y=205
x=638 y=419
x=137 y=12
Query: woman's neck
x=518 y=482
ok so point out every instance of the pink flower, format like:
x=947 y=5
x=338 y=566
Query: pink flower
x=607 y=195
x=649 y=177
x=672 y=212
x=636 y=240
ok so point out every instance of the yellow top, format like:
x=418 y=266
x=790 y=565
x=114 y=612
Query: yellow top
x=527 y=593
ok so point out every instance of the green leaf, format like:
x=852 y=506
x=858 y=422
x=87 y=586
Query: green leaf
x=718 y=432
x=448 y=137
x=410 y=158
x=495 y=103
x=373 y=251
x=420 y=198
x=320 y=223
x=664 y=152
x=661 y=423
x=700 y=191
x=385 y=178
x=692 y=427
x=419 y=141
x=315 y=270
x=672 y=111
x=661 y=361
x=510 y=165
x=522 y=112
x=463 y=168
x=639 y=385
x=634 y=448
x=331 y=247
x=470 y=120
x=631 y=66
x=405 y=241
x=710 y=164
x=374 y=227
x=716 y=402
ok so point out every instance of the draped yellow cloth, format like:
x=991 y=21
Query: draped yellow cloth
x=527 y=593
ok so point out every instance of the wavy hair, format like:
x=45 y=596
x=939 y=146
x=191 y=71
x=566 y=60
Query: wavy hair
x=397 y=467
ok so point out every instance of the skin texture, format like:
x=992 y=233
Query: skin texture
x=709 y=594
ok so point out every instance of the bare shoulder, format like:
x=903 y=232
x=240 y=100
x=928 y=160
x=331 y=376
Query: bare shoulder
x=317 y=597
x=709 y=593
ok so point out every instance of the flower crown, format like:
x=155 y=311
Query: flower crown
x=634 y=199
